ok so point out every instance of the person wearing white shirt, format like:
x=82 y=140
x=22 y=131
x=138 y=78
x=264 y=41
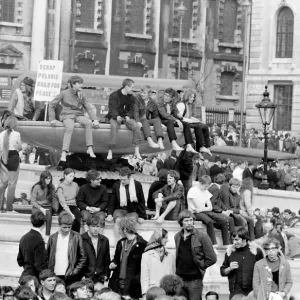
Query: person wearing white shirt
x=198 y=199
x=238 y=171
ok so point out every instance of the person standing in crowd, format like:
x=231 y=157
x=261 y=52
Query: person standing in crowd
x=146 y=114
x=161 y=157
x=281 y=175
x=74 y=104
x=191 y=260
x=96 y=248
x=169 y=163
x=48 y=281
x=126 y=264
x=92 y=198
x=289 y=219
x=41 y=198
x=239 y=170
x=272 y=274
x=169 y=199
x=167 y=111
x=121 y=110
x=10 y=145
x=278 y=233
x=246 y=192
x=216 y=168
x=32 y=255
x=67 y=192
x=239 y=263
x=22 y=102
x=186 y=114
x=127 y=198
x=156 y=260
x=254 y=140
x=65 y=251
x=273 y=176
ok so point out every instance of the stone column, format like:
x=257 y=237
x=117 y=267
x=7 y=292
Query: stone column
x=38 y=33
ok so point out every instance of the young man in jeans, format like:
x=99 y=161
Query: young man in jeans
x=192 y=261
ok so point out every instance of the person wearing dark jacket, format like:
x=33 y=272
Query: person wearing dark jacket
x=121 y=110
x=146 y=114
x=92 y=198
x=170 y=162
x=96 y=248
x=65 y=251
x=167 y=112
x=249 y=171
x=155 y=186
x=194 y=254
x=127 y=198
x=126 y=264
x=272 y=176
x=239 y=263
x=32 y=255
x=216 y=168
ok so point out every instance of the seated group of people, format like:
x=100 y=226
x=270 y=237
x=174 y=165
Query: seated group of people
x=136 y=112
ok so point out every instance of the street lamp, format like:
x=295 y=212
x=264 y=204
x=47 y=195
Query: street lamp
x=266 y=110
x=246 y=7
x=181 y=9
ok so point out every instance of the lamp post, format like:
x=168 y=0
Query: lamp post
x=181 y=9
x=266 y=110
x=246 y=6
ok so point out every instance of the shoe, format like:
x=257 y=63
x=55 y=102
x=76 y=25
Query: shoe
x=189 y=148
x=160 y=144
x=205 y=150
x=91 y=153
x=138 y=156
x=176 y=147
x=152 y=144
x=109 y=155
x=63 y=156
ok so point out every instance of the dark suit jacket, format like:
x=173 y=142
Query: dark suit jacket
x=159 y=164
x=97 y=266
x=32 y=254
x=138 y=207
x=247 y=173
x=169 y=163
x=155 y=186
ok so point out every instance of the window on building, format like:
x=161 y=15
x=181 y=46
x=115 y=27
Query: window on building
x=285 y=33
x=227 y=79
x=136 y=70
x=137 y=16
x=86 y=66
x=87 y=14
x=229 y=21
x=283 y=97
x=7 y=11
x=187 y=19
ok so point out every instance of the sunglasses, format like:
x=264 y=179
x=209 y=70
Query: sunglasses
x=269 y=249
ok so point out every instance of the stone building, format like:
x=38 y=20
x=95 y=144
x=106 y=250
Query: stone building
x=274 y=61
x=132 y=38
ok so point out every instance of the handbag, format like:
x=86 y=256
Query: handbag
x=56 y=206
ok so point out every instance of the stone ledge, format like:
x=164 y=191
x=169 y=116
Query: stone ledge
x=11 y=24
x=139 y=36
x=88 y=30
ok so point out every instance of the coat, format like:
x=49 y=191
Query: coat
x=252 y=254
x=133 y=268
x=97 y=266
x=203 y=252
x=248 y=173
x=138 y=207
x=262 y=272
x=76 y=254
x=153 y=269
x=32 y=255
x=169 y=163
x=115 y=109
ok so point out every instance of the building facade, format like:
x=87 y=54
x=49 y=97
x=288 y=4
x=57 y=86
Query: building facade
x=133 y=38
x=274 y=61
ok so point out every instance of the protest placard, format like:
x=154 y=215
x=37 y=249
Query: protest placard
x=48 y=80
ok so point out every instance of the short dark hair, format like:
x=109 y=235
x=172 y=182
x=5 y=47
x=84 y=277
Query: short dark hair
x=65 y=218
x=153 y=292
x=185 y=214
x=37 y=219
x=47 y=273
x=241 y=233
x=25 y=279
x=170 y=91
x=269 y=241
x=89 y=284
x=25 y=293
x=234 y=181
x=125 y=171
x=220 y=178
x=287 y=210
x=129 y=224
x=60 y=281
x=205 y=179
x=92 y=175
x=172 y=284
x=94 y=221
x=212 y=293
x=127 y=82
x=276 y=210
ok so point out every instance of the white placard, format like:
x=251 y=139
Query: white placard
x=203 y=114
x=231 y=115
x=48 y=80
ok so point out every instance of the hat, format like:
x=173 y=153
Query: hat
x=28 y=81
x=275 y=210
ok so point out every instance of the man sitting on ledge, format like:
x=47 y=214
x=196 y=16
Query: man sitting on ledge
x=169 y=199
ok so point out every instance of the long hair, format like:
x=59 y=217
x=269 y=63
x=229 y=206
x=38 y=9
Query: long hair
x=42 y=182
x=158 y=235
x=29 y=90
x=9 y=124
x=67 y=171
x=247 y=184
x=186 y=96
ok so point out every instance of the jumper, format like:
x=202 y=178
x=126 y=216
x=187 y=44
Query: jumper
x=39 y=197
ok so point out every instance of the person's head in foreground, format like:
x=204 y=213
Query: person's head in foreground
x=78 y=290
x=186 y=220
x=212 y=295
x=172 y=284
x=65 y=222
x=154 y=292
x=271 y=247
x=31 y=282
x=60 y=285
x=48 y=280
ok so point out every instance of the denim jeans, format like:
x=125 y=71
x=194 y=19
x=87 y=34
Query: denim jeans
x=194 y=289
